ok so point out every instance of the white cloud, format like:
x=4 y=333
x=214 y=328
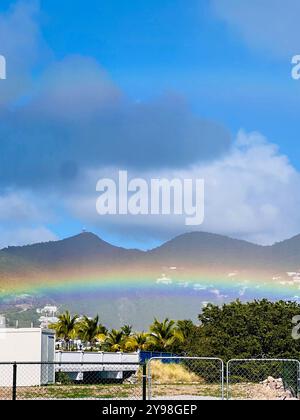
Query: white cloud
x=218 y=294
x=164 y=280
x=252 y=193
x=21 y=44
x=269 y=25
x=19 y=206
x=25 y=236
x=199 y=287
x=184 y=284
x=233 y=274
x=22 y=219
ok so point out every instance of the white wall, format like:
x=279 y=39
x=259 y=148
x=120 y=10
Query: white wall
x=23 y=345
x=20 y=345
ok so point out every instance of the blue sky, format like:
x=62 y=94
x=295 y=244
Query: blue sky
x=152 y=46
x=77 y=69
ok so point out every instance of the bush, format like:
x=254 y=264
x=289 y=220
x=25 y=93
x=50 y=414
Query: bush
x=63 y=378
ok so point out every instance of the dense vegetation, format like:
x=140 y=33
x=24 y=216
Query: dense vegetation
x=168 y=335
x=246 y=330
x=235 y=330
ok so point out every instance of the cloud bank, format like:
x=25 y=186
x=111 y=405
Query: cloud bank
x=251 y=193
x=268 y=25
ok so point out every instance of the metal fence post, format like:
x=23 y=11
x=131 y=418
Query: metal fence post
x=222 y=380
x=144 y=382
x=228 y=380
x=14 y=387
x=149 y=380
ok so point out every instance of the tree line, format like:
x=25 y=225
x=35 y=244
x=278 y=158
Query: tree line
x=168 y=335
x=236 y=330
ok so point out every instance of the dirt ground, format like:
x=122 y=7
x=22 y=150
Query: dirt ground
x=243 y=391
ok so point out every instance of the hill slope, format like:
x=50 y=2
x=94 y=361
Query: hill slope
x=88 y=275
x=192 y=249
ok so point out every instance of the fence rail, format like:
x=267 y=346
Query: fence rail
x=67 y=380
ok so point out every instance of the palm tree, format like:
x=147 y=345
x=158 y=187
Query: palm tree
x=65 y=327
x=89 y=330
x=162 y=334
x=114 y=341
x=184 y=330
x=138 y=341
x=127 y=330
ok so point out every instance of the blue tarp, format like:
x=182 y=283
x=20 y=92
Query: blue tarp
x=146 y=355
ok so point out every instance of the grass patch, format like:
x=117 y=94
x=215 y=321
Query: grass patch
x=80 y=392
x=165 y=373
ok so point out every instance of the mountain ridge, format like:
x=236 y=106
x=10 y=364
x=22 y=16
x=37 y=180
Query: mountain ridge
x=187 y=234
x=200 y=249
x=85 y=274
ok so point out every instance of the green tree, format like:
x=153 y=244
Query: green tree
x=183 y=332
x=127 y=330
x=162 y=335
x=184 y=329
x=66 y=328
x=246 y=330
x=115 y=341
x=89 y=330
x=138 y=341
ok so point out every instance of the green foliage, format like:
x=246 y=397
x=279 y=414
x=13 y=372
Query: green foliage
x=162 y=335
x=65 y=328
x=114 y=341
x=138 y=341
x=89 y=329
x=246 y=330
x=127 y=330
x=259 y=329
x=63 y=378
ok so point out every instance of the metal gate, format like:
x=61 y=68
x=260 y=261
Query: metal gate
x=263 y=379
x=191 y=378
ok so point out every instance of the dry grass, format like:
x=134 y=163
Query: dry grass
x=172 y=374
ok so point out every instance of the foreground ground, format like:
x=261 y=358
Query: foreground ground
x=134 y=392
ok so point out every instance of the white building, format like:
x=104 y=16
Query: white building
x=31 y=345
x=48 y=315
x=2 y=321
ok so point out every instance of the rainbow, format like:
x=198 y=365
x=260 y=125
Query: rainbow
x=171 y=280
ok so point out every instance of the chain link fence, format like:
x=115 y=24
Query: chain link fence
x=56 y=381
x=263 y=379
x=190 y=378
x=166 y=378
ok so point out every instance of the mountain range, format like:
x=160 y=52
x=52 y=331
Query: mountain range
x=198 y=249
x=104 y=271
